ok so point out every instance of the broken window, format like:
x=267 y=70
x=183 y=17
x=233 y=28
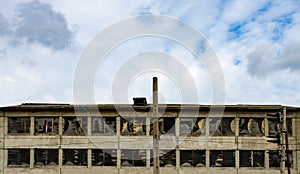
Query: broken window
x=166 y=125
x=222 y=158
x=75 y=157
x=44 y=157
x=103 y=125
x=105 y=157
x=18 y=125
x=18 y=157
x=133 y=126
x=167 y=158
x=74 y=125
x=46 y=125
x=222 y=126
x=192 y=158
x=192 y=126
x=251 y=126
x=252 y=158
x=133 y=157
x=274 y=158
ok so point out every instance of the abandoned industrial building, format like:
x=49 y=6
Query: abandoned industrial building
x=107 y=138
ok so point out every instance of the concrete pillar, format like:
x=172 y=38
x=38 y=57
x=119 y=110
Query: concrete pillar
x=89 y=126
x=60 y=125
x=177 y=127
x=89 y=158
x=207 y=158
x=119 y=158
x=207 y=126
x=267 y=160
x=31 y=129
x=60 y=157
x=177 y=158
x=148 y=154
x=237 y=159
x=31 y=158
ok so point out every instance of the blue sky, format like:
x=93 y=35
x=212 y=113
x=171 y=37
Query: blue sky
x=257 y=44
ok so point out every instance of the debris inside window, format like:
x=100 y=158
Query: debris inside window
x=74 y=125
x=17 y=125
x=192 y=158
x=103 y=125
x=133 y=157
x=44 y=157
x=18 y=158
x=105 y=157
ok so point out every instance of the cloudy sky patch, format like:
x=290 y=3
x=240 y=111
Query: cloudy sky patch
x=256 y=42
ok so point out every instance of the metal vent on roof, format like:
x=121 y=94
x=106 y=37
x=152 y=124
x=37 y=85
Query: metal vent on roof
x=140 y=101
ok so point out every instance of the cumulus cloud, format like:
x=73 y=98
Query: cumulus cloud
x=38 y=23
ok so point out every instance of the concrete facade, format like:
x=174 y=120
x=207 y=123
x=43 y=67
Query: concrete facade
x=39 y=138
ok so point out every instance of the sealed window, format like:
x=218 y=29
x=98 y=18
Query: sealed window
x=104 y=157
x=18 y=125
x=192 y=126
x=133 y=126
x=103 y=125
x=251 y=126
x=75 y=157
x=222 y=158
x=18 y=157
x=44 y=157
x=166 y=125
x=192 y=158
x=133 y=157
x=252 y=158
x=74 y=125
x=47 y=125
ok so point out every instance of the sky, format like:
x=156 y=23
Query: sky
x=257 y=45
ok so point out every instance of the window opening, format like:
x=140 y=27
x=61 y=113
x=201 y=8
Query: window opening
x=18 y=158
x=46 y=125
x=250 y=158
x=166 y=125
x=135 y=158
x=251 y=126
x=192 y=158
x=192 y=126
x=222 y=158
x=133 y=126
x=103 y=125
x=43 y=157
x=74 y=125
x=106 y=157
x=74 y=157
x=18 y=125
